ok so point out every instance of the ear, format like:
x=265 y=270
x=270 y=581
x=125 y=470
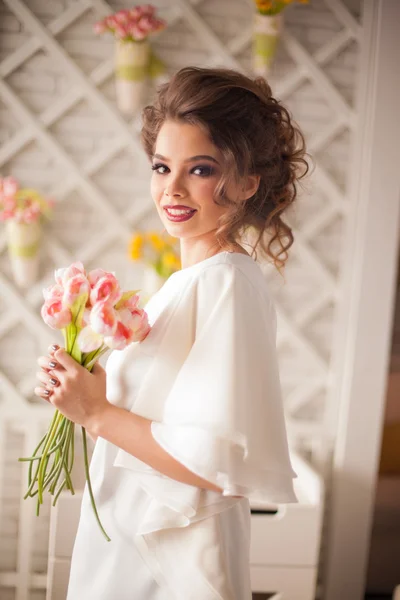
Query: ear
x=250 y=186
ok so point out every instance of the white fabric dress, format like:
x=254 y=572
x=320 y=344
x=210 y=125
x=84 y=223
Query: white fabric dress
x=207 y=377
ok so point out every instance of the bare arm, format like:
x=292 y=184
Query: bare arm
x=132 y=433
x=92 y=436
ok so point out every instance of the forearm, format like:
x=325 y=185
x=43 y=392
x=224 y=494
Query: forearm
x=92 y=436
x=132 y=433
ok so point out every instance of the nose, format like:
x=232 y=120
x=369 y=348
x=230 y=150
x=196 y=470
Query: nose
x=174 y=187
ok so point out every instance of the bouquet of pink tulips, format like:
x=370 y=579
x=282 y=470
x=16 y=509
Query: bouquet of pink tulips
x=94 y=315
x=135 y=24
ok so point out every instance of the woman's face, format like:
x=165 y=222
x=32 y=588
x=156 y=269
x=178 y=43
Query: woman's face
x=186 y=169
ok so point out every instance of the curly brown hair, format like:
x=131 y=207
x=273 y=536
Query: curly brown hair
x=256 y=136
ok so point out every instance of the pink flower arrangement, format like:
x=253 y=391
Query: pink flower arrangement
x=108 y=317
x=21 y=205
x=94 y=315
x=135 y=24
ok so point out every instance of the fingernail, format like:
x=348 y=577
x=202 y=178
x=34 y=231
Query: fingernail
x=54 y=347
x=53 y=381
x=52 y=364
x=46 y=392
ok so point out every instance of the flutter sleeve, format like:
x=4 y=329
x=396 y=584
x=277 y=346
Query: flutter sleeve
x=223 y=417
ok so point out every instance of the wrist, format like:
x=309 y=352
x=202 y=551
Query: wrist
x=98 y=422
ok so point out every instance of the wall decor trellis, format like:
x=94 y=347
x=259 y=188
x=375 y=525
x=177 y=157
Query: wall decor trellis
x=60 y=130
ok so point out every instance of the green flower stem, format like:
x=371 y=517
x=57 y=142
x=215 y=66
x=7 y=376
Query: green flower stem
x=46 y=448
x=42 y=441
x=55 y=474
x=89 y=364
x=90 y=485
x=60 y=489
x=31 y=482
x=65 y=457
x=72 y=449
x=58 y=444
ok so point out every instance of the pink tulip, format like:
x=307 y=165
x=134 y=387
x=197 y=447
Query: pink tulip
x=95 y=274
x=62 y=275
x=121 y=31
x=103 y=318
x=100 y=27
x=147 y=9
x=53 y=292
x=121 y=338
x=7 y=214
x=106 y=289
x=143 y=328
x=55 y=315
x=136 y=32
x=135 y=13
x=75 y=288
x=122 y=17
x=8 y=186
x=130 y=302
x=132 y=327
x=146 y=24
x=111 y=21
x=88 y=340
x=9 y=203
x=30 y=216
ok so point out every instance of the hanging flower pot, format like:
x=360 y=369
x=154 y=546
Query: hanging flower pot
x=134 y=61
x=267 y=29
x=131 y=71
x=157 y=70
x=23 y=240
x=21 y=210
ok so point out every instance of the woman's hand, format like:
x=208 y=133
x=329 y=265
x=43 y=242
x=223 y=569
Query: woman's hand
x=78 y=394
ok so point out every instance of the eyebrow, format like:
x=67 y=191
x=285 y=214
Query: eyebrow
x=191 y=159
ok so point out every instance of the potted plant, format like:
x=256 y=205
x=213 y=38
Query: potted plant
x=268 y=22
x=22 y=211
x=134 y=60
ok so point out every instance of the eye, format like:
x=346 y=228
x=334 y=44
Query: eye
x=157 y=168
x=203 y=170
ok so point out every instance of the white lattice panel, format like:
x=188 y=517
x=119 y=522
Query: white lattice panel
x=60 y=132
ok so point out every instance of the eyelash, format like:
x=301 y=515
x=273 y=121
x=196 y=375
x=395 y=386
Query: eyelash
x=208 y=170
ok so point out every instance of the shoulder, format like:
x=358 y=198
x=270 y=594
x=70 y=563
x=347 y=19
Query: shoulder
x=226 y=289
x=222 y=286
x=227 y=279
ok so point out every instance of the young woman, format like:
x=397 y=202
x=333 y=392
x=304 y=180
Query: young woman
x=189 y=423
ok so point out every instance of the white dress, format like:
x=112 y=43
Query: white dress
x=207 y=377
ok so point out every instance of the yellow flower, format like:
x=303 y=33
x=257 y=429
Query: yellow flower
x=135 y=247
x=171 y=261
x=156 y=241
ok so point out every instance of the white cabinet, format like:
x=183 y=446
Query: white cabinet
x=285 y=542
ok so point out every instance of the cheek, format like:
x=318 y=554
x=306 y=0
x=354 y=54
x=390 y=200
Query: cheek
x=155 y=188
x=206 y=188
